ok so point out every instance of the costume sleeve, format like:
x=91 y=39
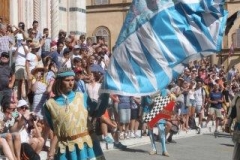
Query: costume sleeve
x=102 y=104
x=149 y=100
x=47 y=116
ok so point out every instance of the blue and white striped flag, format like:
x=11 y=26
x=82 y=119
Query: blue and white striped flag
x=158 y=38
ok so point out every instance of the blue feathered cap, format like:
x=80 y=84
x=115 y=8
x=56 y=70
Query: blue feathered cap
x=65 y=72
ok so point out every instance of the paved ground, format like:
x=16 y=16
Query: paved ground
x=203 y=147
x=142 y=141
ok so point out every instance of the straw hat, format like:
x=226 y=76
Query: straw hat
x=38 y=68
x=35 y=45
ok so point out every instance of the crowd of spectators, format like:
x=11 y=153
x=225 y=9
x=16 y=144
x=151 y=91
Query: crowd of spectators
x=29 y=60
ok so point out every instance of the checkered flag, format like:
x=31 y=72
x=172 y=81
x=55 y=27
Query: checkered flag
x=162 y=109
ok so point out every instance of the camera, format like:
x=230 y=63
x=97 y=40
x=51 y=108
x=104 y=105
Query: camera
x=19 y=42
x=32 y=117
x=30 y=122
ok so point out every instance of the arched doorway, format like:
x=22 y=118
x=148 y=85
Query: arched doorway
x=105 y=33
x=4 y=11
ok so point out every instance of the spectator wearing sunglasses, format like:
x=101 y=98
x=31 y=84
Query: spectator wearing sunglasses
x=7 y=77
x=29 y=128
x=9 y=125
x=22 y=106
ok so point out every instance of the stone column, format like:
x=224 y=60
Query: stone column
x=14 y=12
x=29 y=15
x=36 y=9
x=54 y=18
x=77 y=16
x=21 y=11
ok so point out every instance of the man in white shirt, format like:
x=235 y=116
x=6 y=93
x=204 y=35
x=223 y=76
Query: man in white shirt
x=20 y=70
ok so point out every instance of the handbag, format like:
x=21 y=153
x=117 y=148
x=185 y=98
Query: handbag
x=27 y=152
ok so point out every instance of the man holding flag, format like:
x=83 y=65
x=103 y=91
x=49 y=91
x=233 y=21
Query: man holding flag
x=158 y=38
x=156 y=42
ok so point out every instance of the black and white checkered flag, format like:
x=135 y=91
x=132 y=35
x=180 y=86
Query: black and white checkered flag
x=159 y=103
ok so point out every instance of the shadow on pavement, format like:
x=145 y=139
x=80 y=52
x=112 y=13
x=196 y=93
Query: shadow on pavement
x=219 y=135
x=134 y=150
x=228 y=145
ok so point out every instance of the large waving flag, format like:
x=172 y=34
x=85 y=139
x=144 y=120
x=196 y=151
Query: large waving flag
x=158 y=38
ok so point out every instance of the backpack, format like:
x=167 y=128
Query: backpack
x=192 y=123
x=27 y=152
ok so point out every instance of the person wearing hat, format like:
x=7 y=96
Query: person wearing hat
x=7 y=77
x=9 y=123
x=22 y=106
x=53 y=45
x=67 y=115
x=39 y=88
x=76 y=52
x=26 y=124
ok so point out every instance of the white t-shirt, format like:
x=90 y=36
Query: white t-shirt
x=68 y=64
x=191 y=94
x=20 y=57
x=92 y=91
x=106 y=58
x=199 y=94
x=102 y=64
x=33 y=60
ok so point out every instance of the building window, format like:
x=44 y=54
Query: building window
x=100 y=2
x=103 y=32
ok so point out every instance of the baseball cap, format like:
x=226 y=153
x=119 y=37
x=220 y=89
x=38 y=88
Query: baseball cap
x=66 y=50
x=21 y=103
x=78 y=70
x=194 y=69
x=53 y=43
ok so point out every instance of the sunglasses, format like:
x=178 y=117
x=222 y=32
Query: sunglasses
x=34 y=33
x=23 y=107
x=6 y=56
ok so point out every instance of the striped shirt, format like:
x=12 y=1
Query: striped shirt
x=5 y=42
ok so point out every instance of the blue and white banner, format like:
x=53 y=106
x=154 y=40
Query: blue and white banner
x=158 y=38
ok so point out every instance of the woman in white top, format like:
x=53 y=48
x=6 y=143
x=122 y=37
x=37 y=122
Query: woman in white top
x=94 y=85
x=191 y=98
x=40 y=89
